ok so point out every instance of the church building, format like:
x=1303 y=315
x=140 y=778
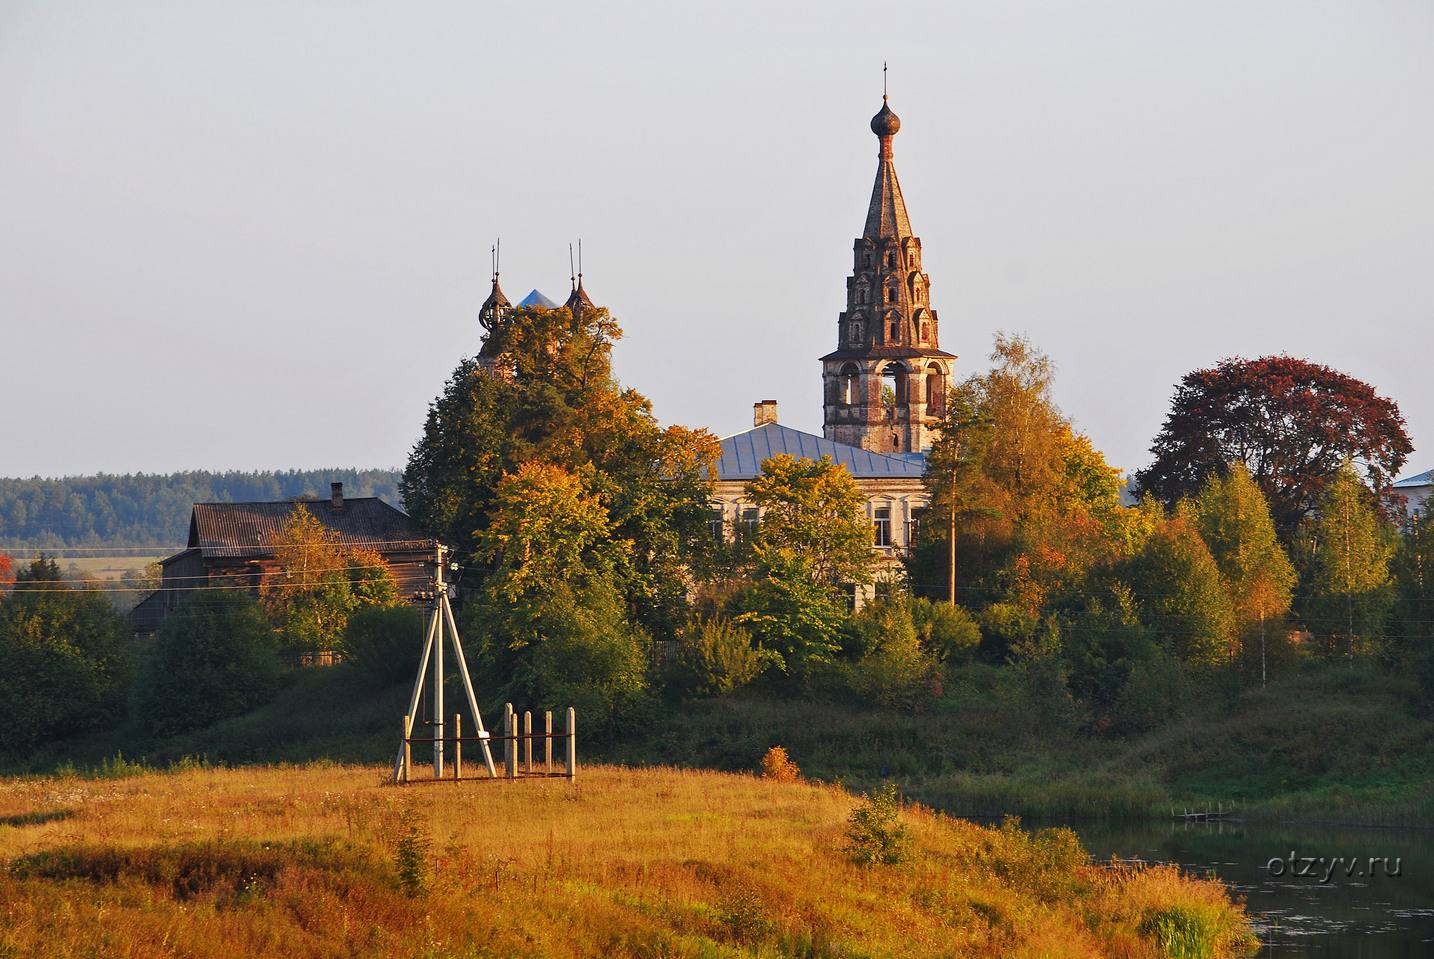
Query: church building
x=884 y=386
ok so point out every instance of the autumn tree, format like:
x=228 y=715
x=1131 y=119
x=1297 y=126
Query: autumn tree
x=548 y=611
x=1232 y=516
x=317 y=582
x=542 y=391
x=1292 y=424
x=1344 y=553
x=1033 y=506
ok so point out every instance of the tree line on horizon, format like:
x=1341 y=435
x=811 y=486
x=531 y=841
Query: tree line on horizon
x=151 y=511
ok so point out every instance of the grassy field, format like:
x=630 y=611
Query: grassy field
x=326 y=860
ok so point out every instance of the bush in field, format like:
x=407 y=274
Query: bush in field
x=776 y=765
x=874 y=833
x=714 y=658
x=63 y=661
x=214 y=658
x=385 y=643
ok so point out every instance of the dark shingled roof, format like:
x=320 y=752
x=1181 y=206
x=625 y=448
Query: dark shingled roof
x=742 y=455
x=244 y=529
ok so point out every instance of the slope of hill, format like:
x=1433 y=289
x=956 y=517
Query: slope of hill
x=144 y=513
x=325 y=860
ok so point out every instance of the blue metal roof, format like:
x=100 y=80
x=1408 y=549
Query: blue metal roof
x=537 y=299
x=742 y=455
x=1423 y=479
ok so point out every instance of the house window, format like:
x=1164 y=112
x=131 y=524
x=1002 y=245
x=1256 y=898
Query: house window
x=715 y=525
x=913 y=530
x=747 y=528
x=883 y=526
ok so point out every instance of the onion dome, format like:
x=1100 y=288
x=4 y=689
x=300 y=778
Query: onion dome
x=491 y=313
x=885 y=124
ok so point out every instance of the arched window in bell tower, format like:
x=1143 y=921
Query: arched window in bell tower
x=850 y=384
x=935 y=391
x=895 y=336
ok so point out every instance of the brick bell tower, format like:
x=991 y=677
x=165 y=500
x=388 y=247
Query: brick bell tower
x=886 y=384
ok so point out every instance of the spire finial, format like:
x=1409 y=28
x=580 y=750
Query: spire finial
x=573 y=279
x=497 y=258
x=580 y=261
x=883 y=79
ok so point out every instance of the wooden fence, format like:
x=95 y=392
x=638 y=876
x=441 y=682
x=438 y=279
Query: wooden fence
x=517 y=739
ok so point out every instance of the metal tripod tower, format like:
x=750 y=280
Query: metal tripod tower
x=440 y=612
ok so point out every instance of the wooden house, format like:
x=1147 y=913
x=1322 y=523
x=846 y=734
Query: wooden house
x=231 y=544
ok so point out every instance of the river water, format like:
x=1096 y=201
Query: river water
x=1338 y=910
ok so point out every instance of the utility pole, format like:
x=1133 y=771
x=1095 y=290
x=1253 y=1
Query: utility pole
x=440 y=613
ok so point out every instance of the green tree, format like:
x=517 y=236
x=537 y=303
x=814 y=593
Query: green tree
x=1414 y=574
x=64 y=665
x=813 y=510
x=1232 y=516
x=214 y=658
x=1177 y=585
x=1345 y=553
x=812 y=541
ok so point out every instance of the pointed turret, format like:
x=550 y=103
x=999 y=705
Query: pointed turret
x=578 y=301
x=888 y=335
x=886 y=216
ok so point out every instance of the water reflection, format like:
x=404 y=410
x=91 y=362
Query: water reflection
x=1336 y=910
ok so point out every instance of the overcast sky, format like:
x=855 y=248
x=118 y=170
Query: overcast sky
x=256 y=235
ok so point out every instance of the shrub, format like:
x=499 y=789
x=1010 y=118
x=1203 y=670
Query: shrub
x=714 y=658
x=411 y=853
x=385 y=643
x=947 y=631
x=777 y=766
x=874 y=834
x=63 y=662
x=214 y=658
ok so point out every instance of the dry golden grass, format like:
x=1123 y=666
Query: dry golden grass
x=306 y=862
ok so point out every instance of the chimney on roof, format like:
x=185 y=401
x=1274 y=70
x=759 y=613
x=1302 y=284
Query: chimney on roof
x=336 y=495
x=764 y=412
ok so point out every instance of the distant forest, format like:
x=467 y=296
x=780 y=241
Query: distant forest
x=144 y=512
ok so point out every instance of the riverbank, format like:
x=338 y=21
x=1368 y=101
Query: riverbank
x=1333 y=745
x=326 y=860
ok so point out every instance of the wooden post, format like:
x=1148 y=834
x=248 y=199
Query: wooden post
x=507 y=737
x=407 y=755
x=510 y=754
x=457 y=746
x=572 y=740
x=548 y=742
x=527 y=743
